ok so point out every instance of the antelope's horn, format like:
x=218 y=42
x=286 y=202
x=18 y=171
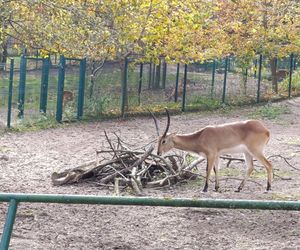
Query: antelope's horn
x=168 y=124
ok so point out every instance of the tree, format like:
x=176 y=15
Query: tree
x=4 y=23
x=267 y=27
x=179 y=31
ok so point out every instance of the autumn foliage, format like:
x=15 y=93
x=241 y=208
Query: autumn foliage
x=181 y=31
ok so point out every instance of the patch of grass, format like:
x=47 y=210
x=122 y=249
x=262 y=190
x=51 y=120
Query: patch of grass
x=197 y=183
x=284 y=197
x=38 y=122
x=229 y=172
x=284 y=173
x=259 y=174
x=270 y=111
x=190 y=158
x=205 y=103
x=292 y=141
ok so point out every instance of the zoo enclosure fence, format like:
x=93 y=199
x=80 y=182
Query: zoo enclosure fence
x=15 y=198
x=133 y=88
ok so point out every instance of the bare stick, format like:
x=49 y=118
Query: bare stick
x=138 y=162
x=286 y=161
x=117 y=188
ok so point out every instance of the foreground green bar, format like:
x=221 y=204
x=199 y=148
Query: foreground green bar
x=148 y=201
x=9 y=223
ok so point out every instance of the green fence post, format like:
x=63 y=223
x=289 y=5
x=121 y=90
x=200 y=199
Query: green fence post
x=140 y=83
x=213 y=79
x=184 y=88
x=124 y=101
x=22 y=82
x=80 y=102
x=177 y=82
x=10 y=90
x=9 y=223
x=44 y=84
x=150 y=76
x=225 y=80
x=259 y=78
x=291 y=73
x=60 y=88
x=164 y=76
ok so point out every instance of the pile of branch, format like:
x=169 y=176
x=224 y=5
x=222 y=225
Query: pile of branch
x=121 y=166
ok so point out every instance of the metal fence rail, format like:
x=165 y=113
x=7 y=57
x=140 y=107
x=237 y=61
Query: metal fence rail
x=14 y=199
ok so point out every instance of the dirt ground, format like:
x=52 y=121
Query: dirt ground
x=33 y=156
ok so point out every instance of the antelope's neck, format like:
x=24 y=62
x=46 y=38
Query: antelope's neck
x=186 y=143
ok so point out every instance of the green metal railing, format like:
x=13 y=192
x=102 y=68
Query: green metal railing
x=44 y=84
x=124 y=96
x=225 y=80
x=14 y=199
x=290 y=75
x=184 y=88
x=22 y=82
x=10 y=91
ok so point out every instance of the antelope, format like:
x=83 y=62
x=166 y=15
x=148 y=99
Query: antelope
x=68 y=96
x=189 y=85
x=248 y=137
x=281 y=74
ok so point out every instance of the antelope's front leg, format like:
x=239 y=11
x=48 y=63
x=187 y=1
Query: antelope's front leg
x=209 y=167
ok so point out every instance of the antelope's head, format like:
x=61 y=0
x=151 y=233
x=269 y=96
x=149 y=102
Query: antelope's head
x=165 y=142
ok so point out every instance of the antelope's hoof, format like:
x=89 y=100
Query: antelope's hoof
x=267 y=191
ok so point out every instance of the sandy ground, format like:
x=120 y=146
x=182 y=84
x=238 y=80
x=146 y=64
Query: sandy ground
x=33 y=156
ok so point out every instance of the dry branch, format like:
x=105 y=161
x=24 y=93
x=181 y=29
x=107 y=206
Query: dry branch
x=122 y=166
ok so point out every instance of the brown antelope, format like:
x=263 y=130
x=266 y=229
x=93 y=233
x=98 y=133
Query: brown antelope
x=189 y=85
x=247 y=137
x=68 y=96
x=281 y=74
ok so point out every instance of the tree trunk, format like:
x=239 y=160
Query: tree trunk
x=4 y=53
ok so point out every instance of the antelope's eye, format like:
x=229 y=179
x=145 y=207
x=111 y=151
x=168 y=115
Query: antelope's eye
x=163 y=141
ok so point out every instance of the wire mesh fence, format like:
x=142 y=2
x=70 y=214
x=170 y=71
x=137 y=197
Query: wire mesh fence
x=125 y=88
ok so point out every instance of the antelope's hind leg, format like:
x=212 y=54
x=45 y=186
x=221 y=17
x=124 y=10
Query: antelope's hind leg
x=250 y=167
x=216 y=170
x=263 y=160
